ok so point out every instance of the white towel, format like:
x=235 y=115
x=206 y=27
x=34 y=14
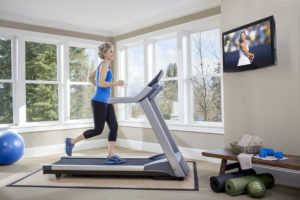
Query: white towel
x=245 y=160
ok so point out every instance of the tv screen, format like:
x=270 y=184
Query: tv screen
x=251 y=46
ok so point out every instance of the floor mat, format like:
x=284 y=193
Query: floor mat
x=38 y=179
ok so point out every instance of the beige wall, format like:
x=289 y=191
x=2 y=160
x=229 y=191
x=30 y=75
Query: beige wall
x=266 y=102
x=46 y=138
x=196 y=140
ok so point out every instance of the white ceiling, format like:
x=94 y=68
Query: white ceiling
x=105 y=17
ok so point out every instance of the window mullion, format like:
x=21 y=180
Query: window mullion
x=21 y=87
x=60 y=78
x=121 y=76
x=66 y=82
x=179 y=61
x=146 y=62
x=126 y=83
x=185 y=60
x=190 y=106
x=14 y=79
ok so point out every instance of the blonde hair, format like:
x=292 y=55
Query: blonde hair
x=103 y=48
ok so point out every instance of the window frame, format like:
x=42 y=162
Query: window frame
x=18 y=38
x=170 y=36
x=183 y=33
x=58 y=74
x=70 y=83
x=123 y=90
x=190 y=77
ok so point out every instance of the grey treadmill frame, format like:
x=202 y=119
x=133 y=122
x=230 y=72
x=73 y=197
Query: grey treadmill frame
x=171 y=162
x=158 y=124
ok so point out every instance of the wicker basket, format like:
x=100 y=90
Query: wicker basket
x=240 y=149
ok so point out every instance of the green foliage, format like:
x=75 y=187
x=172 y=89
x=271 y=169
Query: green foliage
x=169 y=96
x=41 y=102
x=6 y=107
x=207 y=99
x=80 y=101
x=206 y=90
x=41 y=61
x=5 y=59
x=171 y=70
x=82 y=64
x=41 y=99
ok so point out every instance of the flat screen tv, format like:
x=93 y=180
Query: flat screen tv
x=251 y=46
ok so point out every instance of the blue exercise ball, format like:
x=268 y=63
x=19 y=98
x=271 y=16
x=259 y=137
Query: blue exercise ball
x=11 y=147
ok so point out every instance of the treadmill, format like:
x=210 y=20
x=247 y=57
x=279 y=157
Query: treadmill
x=168 y=165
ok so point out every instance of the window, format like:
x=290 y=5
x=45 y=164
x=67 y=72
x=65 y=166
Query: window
x=205 y=74
x=44 y=80
x=41 y=82
x=135 y=74
x=82 y=62
x=6 y=97
x=190 y=55
x=165 y=58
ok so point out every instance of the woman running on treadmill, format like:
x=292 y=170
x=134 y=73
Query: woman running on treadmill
x=102 y=111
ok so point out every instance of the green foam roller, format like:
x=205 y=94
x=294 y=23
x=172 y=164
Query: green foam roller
x=238 y=186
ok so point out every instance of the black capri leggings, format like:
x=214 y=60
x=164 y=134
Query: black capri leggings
x=103 y=112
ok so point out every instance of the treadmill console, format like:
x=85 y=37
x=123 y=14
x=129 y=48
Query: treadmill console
x=156 y=78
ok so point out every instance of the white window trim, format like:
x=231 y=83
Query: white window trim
x=191 y=77
x=175 y=126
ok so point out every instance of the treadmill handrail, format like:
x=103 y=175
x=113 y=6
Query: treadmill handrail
x=134 y=99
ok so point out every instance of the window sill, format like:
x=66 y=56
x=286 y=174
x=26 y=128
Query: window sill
x=38 y=127
x=216 y=128
x=173 y=125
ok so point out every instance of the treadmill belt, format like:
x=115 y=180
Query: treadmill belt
x=100 y=161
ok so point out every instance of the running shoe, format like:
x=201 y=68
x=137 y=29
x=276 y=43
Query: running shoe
x=69 y=146
x=115 y=160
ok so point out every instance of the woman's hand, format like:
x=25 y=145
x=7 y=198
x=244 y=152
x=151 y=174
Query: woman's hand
x=120 y=83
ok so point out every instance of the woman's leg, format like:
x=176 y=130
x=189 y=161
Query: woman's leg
x=111 y=149
x=113 y=129
x=99 y=113
x=79 y=138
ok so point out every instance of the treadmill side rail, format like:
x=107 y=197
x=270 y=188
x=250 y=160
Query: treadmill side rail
x=98 y=167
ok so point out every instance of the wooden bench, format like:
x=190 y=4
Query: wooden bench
x=293 y=162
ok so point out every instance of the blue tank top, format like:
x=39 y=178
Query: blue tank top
x=102 y=94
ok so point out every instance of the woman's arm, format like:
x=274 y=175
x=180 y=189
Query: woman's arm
x=102 y=77
x=92 y=77
x=244 y=49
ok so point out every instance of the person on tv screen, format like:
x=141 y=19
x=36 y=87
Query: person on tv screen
x=246 y=57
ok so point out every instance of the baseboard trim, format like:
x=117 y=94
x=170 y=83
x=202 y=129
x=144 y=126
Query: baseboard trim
x=60 y=148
